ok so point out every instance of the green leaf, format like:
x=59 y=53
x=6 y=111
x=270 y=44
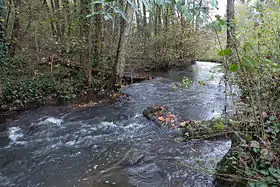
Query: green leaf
x=233 y=68
x=272 y=118
x=247 y=46
x=249 y=62
x=93 y=14
x=264 y=172
x=261 y=184
x=256 y=150
x=251 y=184
x=268 y=61
x=225 y=52
x=221 y=22
x=274 y=172
x=219 y=126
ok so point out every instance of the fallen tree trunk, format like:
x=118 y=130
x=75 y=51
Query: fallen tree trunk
x=135 y=78
x=127 y=77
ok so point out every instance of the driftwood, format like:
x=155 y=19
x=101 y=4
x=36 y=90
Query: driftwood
x=136 y=78
x=188 y=129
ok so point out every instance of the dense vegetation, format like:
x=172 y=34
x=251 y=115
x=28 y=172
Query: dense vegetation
x=52 y=51
x=253 y=64
x=60 y=49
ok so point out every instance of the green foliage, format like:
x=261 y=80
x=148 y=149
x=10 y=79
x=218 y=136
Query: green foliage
x=233 y=67
x=249 y=62
x=29 y=92
x=186 y=82
x=172 y=46
x=44 y=88
x=225 y=52
x=190 y=9
x=219 y=25
x=113 y=10
x=254 y=156
x=219 y=124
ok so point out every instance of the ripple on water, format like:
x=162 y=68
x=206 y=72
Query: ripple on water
x=117 y=139
x=15 y=135
x=5 y=181
x=52 y=120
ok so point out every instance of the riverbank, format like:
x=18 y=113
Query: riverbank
x=84 y=100
x=63 y=86
x=60 y=87
x=252 y=159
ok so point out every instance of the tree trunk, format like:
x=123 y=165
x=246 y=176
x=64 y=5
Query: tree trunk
x=16 y=28
x=230 y=22
x=156 y=20
x=86 y=35
x=201 y=7
x=67 y=23
x=145 y=29
x=8 y=6
x=144 y=19
x=119 y=64
x=50 y=8
x=166 y=20
x=138 y=18
x=2 y=37
x=58 y=18
x=2 y=32
x=98 y=43
x=194 y=12
x=90 y=52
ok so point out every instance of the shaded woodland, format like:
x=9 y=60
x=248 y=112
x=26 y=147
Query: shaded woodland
x=54 y=51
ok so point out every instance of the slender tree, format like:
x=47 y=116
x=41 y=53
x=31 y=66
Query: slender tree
x=2 y=37
x=2 y=33
x=98 y=41
x=16 y=28
x=230 y=22
x=119 y=64
x=86 y=34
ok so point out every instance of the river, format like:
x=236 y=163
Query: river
x=112 y=144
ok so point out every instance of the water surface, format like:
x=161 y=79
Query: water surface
x=113 y=144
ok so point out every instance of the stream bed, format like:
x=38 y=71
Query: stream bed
x=113 y=144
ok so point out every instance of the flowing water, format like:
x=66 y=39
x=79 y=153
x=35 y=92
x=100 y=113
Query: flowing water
x=113 y=144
